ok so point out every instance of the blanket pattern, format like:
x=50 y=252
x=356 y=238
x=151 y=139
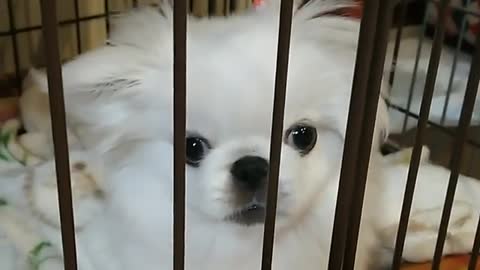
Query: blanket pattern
x=14 y=154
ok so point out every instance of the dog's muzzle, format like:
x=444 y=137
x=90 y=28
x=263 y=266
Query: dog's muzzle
x=249 y=176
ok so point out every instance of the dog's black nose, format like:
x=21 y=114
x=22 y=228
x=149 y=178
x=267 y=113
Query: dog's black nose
x=250 y=172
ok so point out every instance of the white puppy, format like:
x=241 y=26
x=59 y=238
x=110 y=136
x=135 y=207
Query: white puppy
x=120 y=99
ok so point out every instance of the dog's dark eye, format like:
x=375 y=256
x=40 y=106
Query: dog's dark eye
x=197 y=148
x=302 y=137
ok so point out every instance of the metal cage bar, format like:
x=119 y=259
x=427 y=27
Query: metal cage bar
x=475 y=249
x=384 y=21
x=398 y=36
x=107 y=15
x=179 y=114
x=63 y=22
x=284 y=33
x=57 y=108
x=415 y=71
x=443 y=129
x=365 y=91
x=464 y=11
x=454 y=66
x=352 y=140
x=77 y=26
x=420 y=135
x=459 y=146
x=16 y=61
x=458 y=8
x=228 y=7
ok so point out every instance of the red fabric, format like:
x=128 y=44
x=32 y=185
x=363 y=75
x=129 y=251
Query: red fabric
x=257 y=3
x=459 y=262
x=475 y=22
x=355 y=11
x=454 y=19
x=8 y=109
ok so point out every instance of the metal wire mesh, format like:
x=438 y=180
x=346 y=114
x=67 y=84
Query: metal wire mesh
x=460 y=136
x=439 y=134
x=77 y=27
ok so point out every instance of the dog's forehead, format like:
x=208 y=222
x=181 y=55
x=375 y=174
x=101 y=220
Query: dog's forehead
x=241 y=103
x=231 y=83
x=229 y=105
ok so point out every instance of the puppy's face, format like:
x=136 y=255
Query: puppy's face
x=230 y=100
x=228 y=169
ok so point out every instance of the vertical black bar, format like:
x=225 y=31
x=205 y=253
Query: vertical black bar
x=284 y=32
x=457 y=154
x=77 y=26
x=107 y=15
x=211 y=8
x=179 y=114
x=475 y=250
x=415 y=71
x=454 y=66
x=420 y=135
x=398 y=37
x=135 y=3
x=384 y=21
x=57 y=109
x=16 y=61
x=352 y=139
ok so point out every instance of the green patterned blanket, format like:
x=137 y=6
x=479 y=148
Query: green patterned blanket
x=16 y=151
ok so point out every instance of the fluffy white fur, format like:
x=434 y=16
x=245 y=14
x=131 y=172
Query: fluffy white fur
x=31 y=216
x=35 y=115
x=427 y=207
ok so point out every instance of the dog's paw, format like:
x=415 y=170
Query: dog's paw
x=423 y=228
x=37 y=145
x=87 y=190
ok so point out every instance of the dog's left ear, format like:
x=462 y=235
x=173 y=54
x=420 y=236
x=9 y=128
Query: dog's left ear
x=139 y=39
x=404 y=156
